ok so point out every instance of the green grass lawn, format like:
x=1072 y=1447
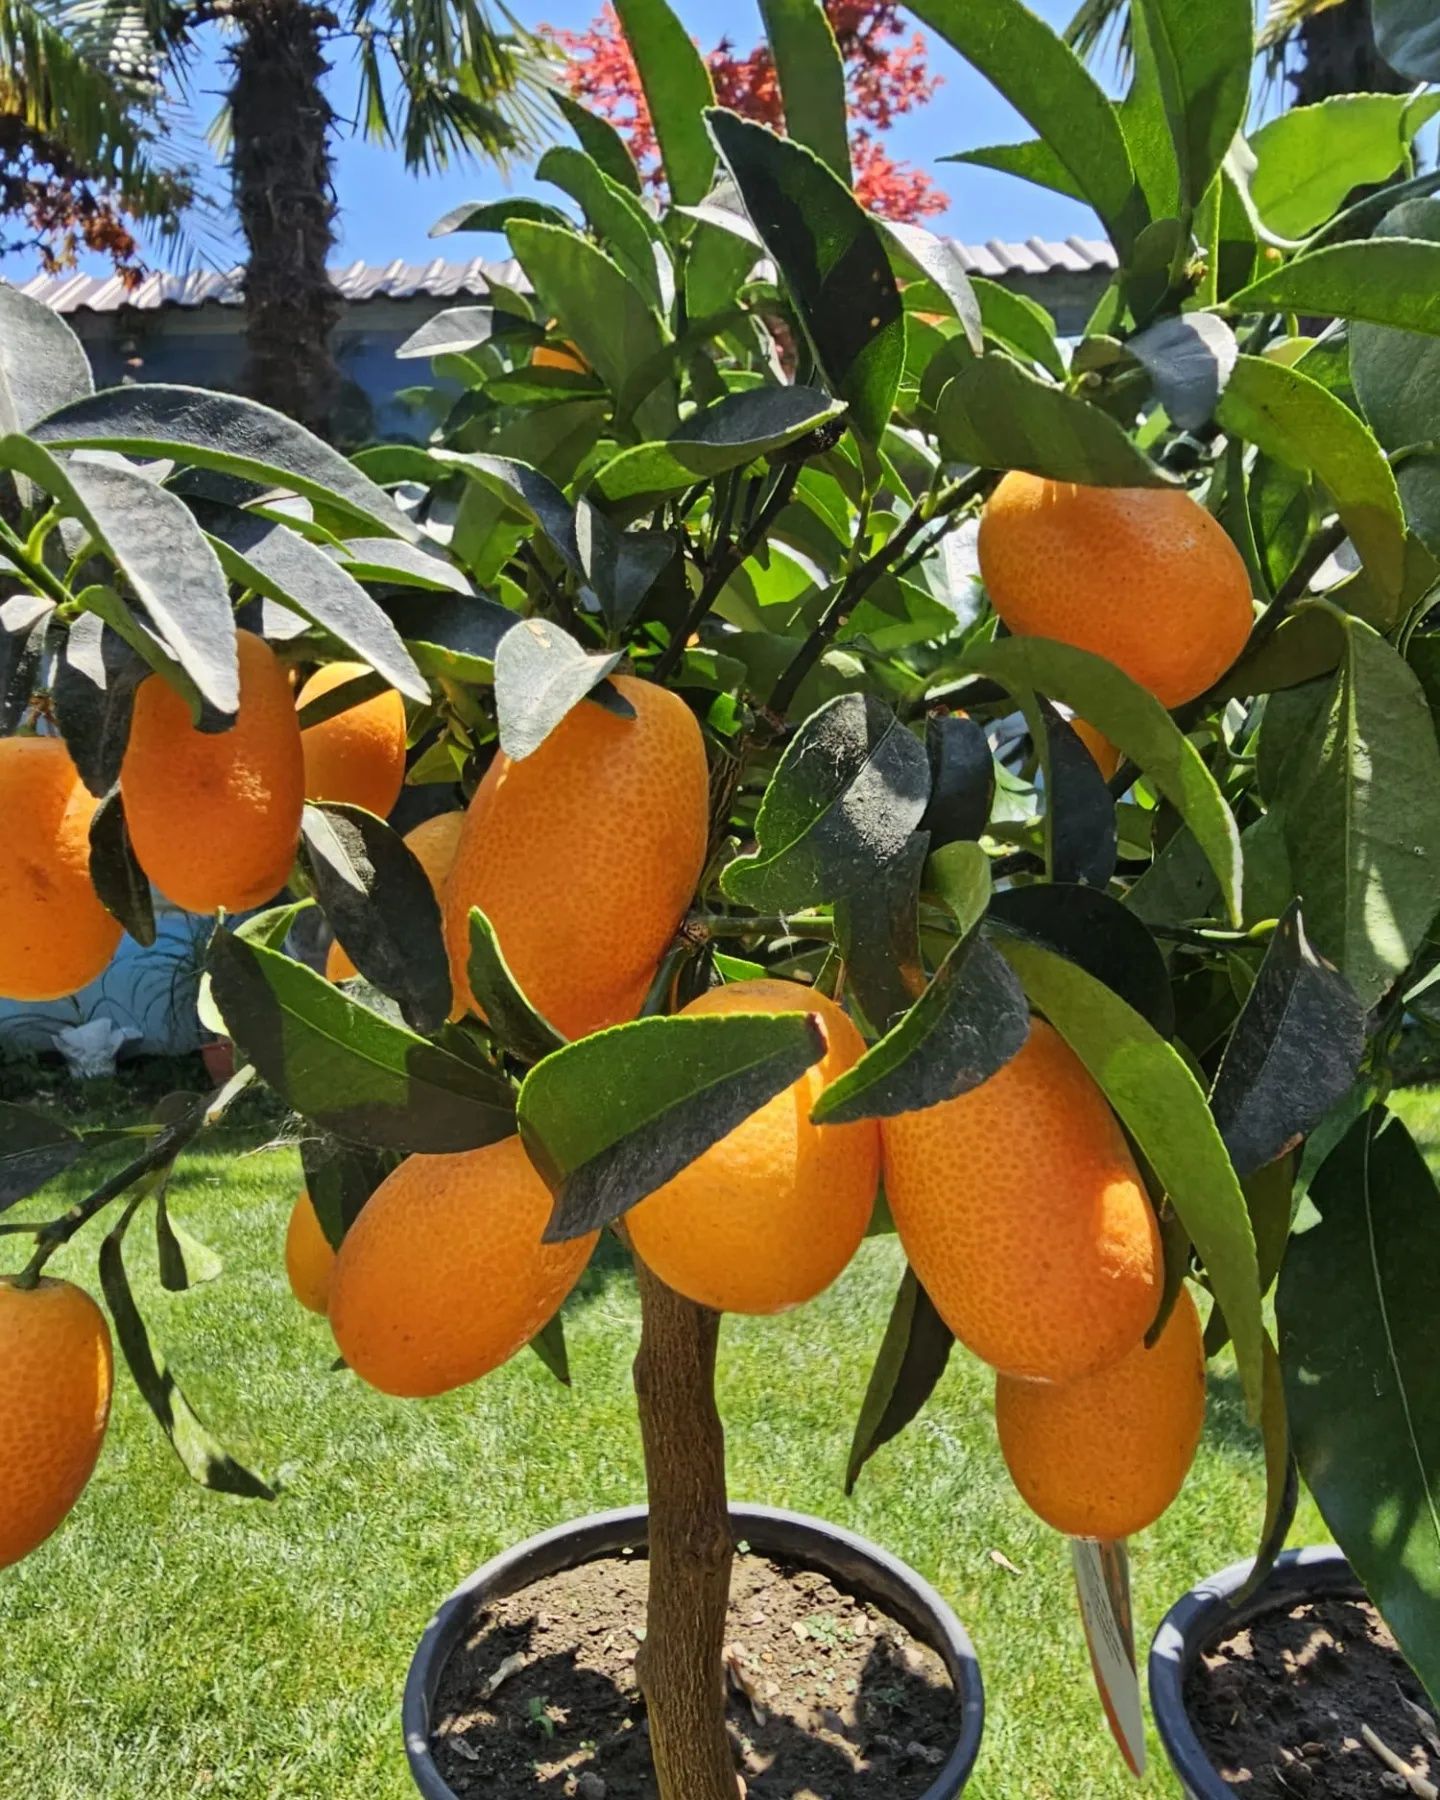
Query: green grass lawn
x=171 y=1642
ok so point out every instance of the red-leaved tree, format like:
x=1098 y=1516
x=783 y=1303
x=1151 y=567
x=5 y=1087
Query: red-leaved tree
x=885 y=76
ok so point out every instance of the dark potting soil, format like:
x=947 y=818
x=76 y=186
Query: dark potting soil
x=828 y=1698
x=1280 y=1706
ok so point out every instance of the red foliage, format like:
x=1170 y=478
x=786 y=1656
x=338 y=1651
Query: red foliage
x=885 y=76
x=59 y=211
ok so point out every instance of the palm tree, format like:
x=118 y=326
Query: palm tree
x=436 y=78
x=1321 y=47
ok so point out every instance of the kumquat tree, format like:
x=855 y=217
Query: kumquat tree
x=894 y=753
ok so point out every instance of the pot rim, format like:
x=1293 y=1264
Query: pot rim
x=815 y=1542
x=1190 y=1626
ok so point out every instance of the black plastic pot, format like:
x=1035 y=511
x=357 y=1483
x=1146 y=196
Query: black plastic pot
x=850 y=1562
x=1206 y=1614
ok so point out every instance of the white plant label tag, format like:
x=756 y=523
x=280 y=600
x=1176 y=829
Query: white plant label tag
x=1102 y=1581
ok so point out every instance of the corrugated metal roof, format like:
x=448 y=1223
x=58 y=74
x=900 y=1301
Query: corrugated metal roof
x=442 y=280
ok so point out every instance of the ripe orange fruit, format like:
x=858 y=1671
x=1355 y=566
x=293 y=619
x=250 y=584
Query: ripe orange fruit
x=1022 y=1211
x=559 y=356
x=1104 y=753
x=55 y=936
x=771 y=1214
x=1143 y=576
x=1104 y=1456
x=56 y=1374
x=214 y=816
x=358 y=757
x=443 y=1276
x=309 y=1258
x=434 y=842
x=584 y=857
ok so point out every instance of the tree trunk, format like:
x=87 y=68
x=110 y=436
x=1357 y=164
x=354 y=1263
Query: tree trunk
x=285 y=197
x=1339 y=56
x=679 y=1666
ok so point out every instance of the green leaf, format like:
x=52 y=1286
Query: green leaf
x=1303 y=425
x=121 y=885
x=841 y=806
x=612 y=1117
x=713 y=439
x=1190 y=357
x=495 y=215
x=1138 y=725
x=541 y=673
x=1080 y=841
x=877 y=929
x=346 y=1068
x=1361 y=803
x=617 y=218
x=93 y=692
x=942 y=262
x=508 y=1012
x=452 y=332
x=1033 y=161
x=552 y=439
x=966 y=1026
x=606 y=316
x=184 y=1261
x=962 y=780
x=1358 y=1308
x=832 y=259
x=203 y=1458
x=1019 y=323
x=995 y=414
x=381 y=906
x=600 y=138
x=34 y=1148
x=148 y=533
x=1294 y=1052
x=548 y=1344
x=526 y=492
x=1105 y=938
x=1202 y=58
x=1162 y=1106
x=452 y=637
x=340 y=1178
x=223 y=432
x=677 y=91
x=1387 y=281
x=1407 y=35
x=1310 y=158
x=1044 y=80
x=812 y=79
x=398 y=564
x=912 y=1359
x=43 y=364
x=1282 y=1484
x=273 y=560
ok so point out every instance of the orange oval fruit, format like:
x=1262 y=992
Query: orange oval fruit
x=357 y=757
x=214 y=816
x=770 y=1215
x=309 y=1257
x=559 y=356
x=1024 y=1216
x=56 y=1376
x=1104 y=1456
x=443 y=1276
x=55 y=936
x=584 y=856
x=1104 y=754
x=1142 y=576
x=434 y=842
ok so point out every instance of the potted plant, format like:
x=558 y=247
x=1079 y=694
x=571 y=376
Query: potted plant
x=1082 y=905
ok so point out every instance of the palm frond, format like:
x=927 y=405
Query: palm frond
x=1097 y=21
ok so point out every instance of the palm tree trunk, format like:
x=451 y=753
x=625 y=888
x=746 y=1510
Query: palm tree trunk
x=1338 y=56
x=284 y=194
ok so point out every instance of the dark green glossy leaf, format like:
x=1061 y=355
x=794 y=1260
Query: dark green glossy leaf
x=1044 y=80
x=1097 y=932
x=540 y=674
x=1358 y=1308
x=617 y=218
x=34 y=1148
x=496 y=215
x=452 y=332
x=841 y=805
x=93 y=693
x=600 y=138
x=1282 y=1475
x=912 y=1358
x=942 y=261
x=995 y=414
x=381 y=906
x=120 y=884
x=1033 y=161
x=1294 y=1052
x=548 y=1344
x=1387 y=281
x=524 y=491
x=397 y=564
x=1080 y=841
x=1202 y=57
x=612 y=1117
x=726 y=435
x=677 y=91
x=340 y=1178
x=346 y=695
x=1163 y=1107
x=343 y=1066
x=222 y=432
x=878 y=931
x=184 y=1262
x=812 y=79
x=1019 y=323
x=43 y=364
x=25 y=621
x=1138 y=725
x=832 y=259
x=450 y=636
x=1407 y=35
x=203 y=1458
x=1190 y=357
x=962 y=780
x=498 y=994
x=968 y=1023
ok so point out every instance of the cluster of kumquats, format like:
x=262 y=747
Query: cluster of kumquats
x=1019 y=1203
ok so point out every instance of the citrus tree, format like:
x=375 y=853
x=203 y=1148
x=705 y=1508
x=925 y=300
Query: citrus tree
x=898 y=750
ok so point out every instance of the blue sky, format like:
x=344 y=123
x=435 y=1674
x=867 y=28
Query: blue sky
x=386 y=213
